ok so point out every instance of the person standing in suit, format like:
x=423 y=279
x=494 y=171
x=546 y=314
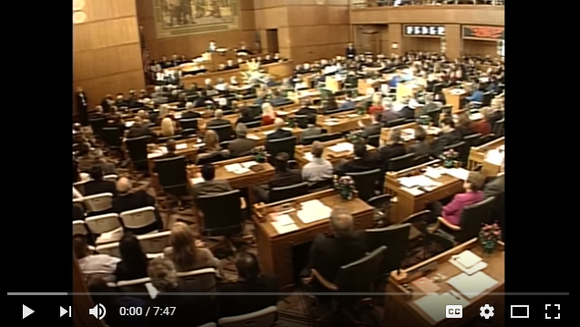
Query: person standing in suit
x=250 y=280
x=218 y=119
x=350 y=52
x=82 y=106
x=283 y=176
x=374 y=128
x=241 y=146
x=363 y=160
x=421 y=147
x=345 y=245
x=209 y=185
x=449 y=136
x=97 y=185
x=280 y=132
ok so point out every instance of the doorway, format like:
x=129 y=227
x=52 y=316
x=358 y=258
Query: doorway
x=272 y=38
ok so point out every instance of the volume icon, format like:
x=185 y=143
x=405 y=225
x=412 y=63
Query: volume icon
x=98 y=311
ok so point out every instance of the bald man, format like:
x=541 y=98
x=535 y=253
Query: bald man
x=130 y=199
x=218 y=120
x=329 y=253
x=280 y=132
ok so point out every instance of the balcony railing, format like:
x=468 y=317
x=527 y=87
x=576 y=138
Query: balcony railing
x=357 y=4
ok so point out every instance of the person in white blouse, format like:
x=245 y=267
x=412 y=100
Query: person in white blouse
x=101 y=265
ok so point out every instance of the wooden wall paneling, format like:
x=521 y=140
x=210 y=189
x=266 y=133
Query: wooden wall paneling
x=426 y=44
x=396 y=37
x=106 y=49
x=453 y=41
x=480 y=47
x=384 y=39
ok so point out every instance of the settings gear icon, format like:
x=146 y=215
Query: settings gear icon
x=486 y=311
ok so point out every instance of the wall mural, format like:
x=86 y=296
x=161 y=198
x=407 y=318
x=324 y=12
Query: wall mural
x=185 y=17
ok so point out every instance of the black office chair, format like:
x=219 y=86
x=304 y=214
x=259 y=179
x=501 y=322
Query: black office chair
x=164 y=139
x=331 y=137
x=287 y=144
x=137 y=149
x=382 y=205
x=419 y=160
x=435 y=115
x=402 y=162
x=97 y=124
x=172 y=177
x=222 y=215
x=395 y=122
x=287 y=192
x=113 y=138
x=189 y=126
x=396 y=240
x=301 y=121
x=253 y=124
x=224 y=132
x=498 y=128
x=485 y=139
x=447 y=109
x=365 y=182
x=255 y=110
x=472 y=217
x=320 y=185
x=487 y=97
x=374 y=140
x=308 y=140
x=470 y=141
x=211 y=158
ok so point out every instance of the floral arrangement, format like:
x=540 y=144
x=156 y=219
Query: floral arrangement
x=353 y=137
x=290 y=122
x=489 y=236
x=449 y=158
x=360 y=111
x=259 y=154
x=254 y=75
x=345 y=187
x=424 y=120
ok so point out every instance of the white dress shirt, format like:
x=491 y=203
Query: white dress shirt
x=318 y=169
x=99 y=264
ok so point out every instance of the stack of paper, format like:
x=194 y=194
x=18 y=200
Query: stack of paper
x=434 y=304
x=181 y=146
x=342 y=147
x=268 y=132
x=472 y=286
x=458 y=173
x=494 y=157
x=434 y=173
x=236 y=169
x=249 y=164
x=253 y=137
x=284 y=224
x=418 y=181
x=409 y=131
x=312 y=211
x=468 y=262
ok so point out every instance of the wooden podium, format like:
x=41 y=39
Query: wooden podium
x=453 y=98
x=333 y=84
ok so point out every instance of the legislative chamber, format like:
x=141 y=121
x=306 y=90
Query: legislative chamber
x=284 y=163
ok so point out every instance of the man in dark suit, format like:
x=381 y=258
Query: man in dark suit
x=210 y=185
x=283 y=176
x=363 y=160
x=82 y=106
x=97 y=185
x=449 y=136
x=139 y=129
x=308 y=112
x=421 y=147
x=250 y=279
x=374 y=128
x=241 y=146
x=406 y=111
x=329 y=253
x=311 y=130
x=394 y=147
x=388 y=114
x=203 y=99
x=131 y=199
x=429 y=106
x=280 y=132
x=190 y=112
x=218 y=119
x=350 y=51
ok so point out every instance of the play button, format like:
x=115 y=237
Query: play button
x=26 y=311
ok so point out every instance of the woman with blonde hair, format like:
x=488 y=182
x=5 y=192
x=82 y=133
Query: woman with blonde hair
x=163 y=111
x=167 y=127
x=268 y=114
x=187 y=252
x=211 y=145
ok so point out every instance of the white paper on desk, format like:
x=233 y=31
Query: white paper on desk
x=329 y=123
x=408 y=182
x=494 y=157
x=342 y=147
x=181 y=146
x=268 y=132
x=283 y=229
x=249 y=164
x=413 y=191
x=424 y=181
x=458 y=173
x=233 y=167
x=434 y=304
x=352 y=115
x=177 y=116
x=308 y=156
x=467 y=259
x=284 y=220
x=471 y=270
x=240 y=171
x=472 y=286
x=253 y=137
x=154 y=154
x=313 y=210
x=433 y=172
x=197 y=180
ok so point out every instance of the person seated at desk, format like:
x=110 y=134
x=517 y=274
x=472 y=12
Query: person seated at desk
x=107 y=102
x=363 y=160
x=230 y=64
x=430 y=105
x=211 y=146
x=245 y=116
x=280 y=132
x=344 y=246
x=241 y=146
x=476 y=94
x=307 y=111
x=139 y=129
x=405 y=109
x=133 y=264
x=421 y=147
x=190 y=112
x=87 y=159
x=388 y=114
x=453 y=210
x=114 y=120
x=221 y=85
x=204 y=100
x=218 y=119
x=283 y=176
x=497 y=184
x=310 y=130
x=395 y=80
x=268 y=114
x=497 y=111
x=348 y=104
x=448 y=136
x=482 y=125
x=329 y=104
x=101 y=265
x=464 y=125
x=286 y=86
x=374 y=128
x=168 y=127
x=97 y=184
x=376 y=105
x=319 y=169
x=393 y=148
x=209 y=185
x=278 y=98
x=250 y=280
x=261 y=98
x=131 y=199
x=199 y=310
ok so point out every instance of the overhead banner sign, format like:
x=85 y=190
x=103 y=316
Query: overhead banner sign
x=424 y=30
x=484 y=33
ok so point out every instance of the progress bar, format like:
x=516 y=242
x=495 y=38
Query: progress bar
x=282 y=293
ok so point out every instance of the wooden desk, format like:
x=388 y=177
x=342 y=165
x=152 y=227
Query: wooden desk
x=477 y=156
x=453 y=99
x=275 y=250
x=332 y=156
x=237 y=181
x=277 y=70
x=260 y=134
x=187 y=147
x=407 y=203
x=408 y=139
x=342 y=122
x=401 y=310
